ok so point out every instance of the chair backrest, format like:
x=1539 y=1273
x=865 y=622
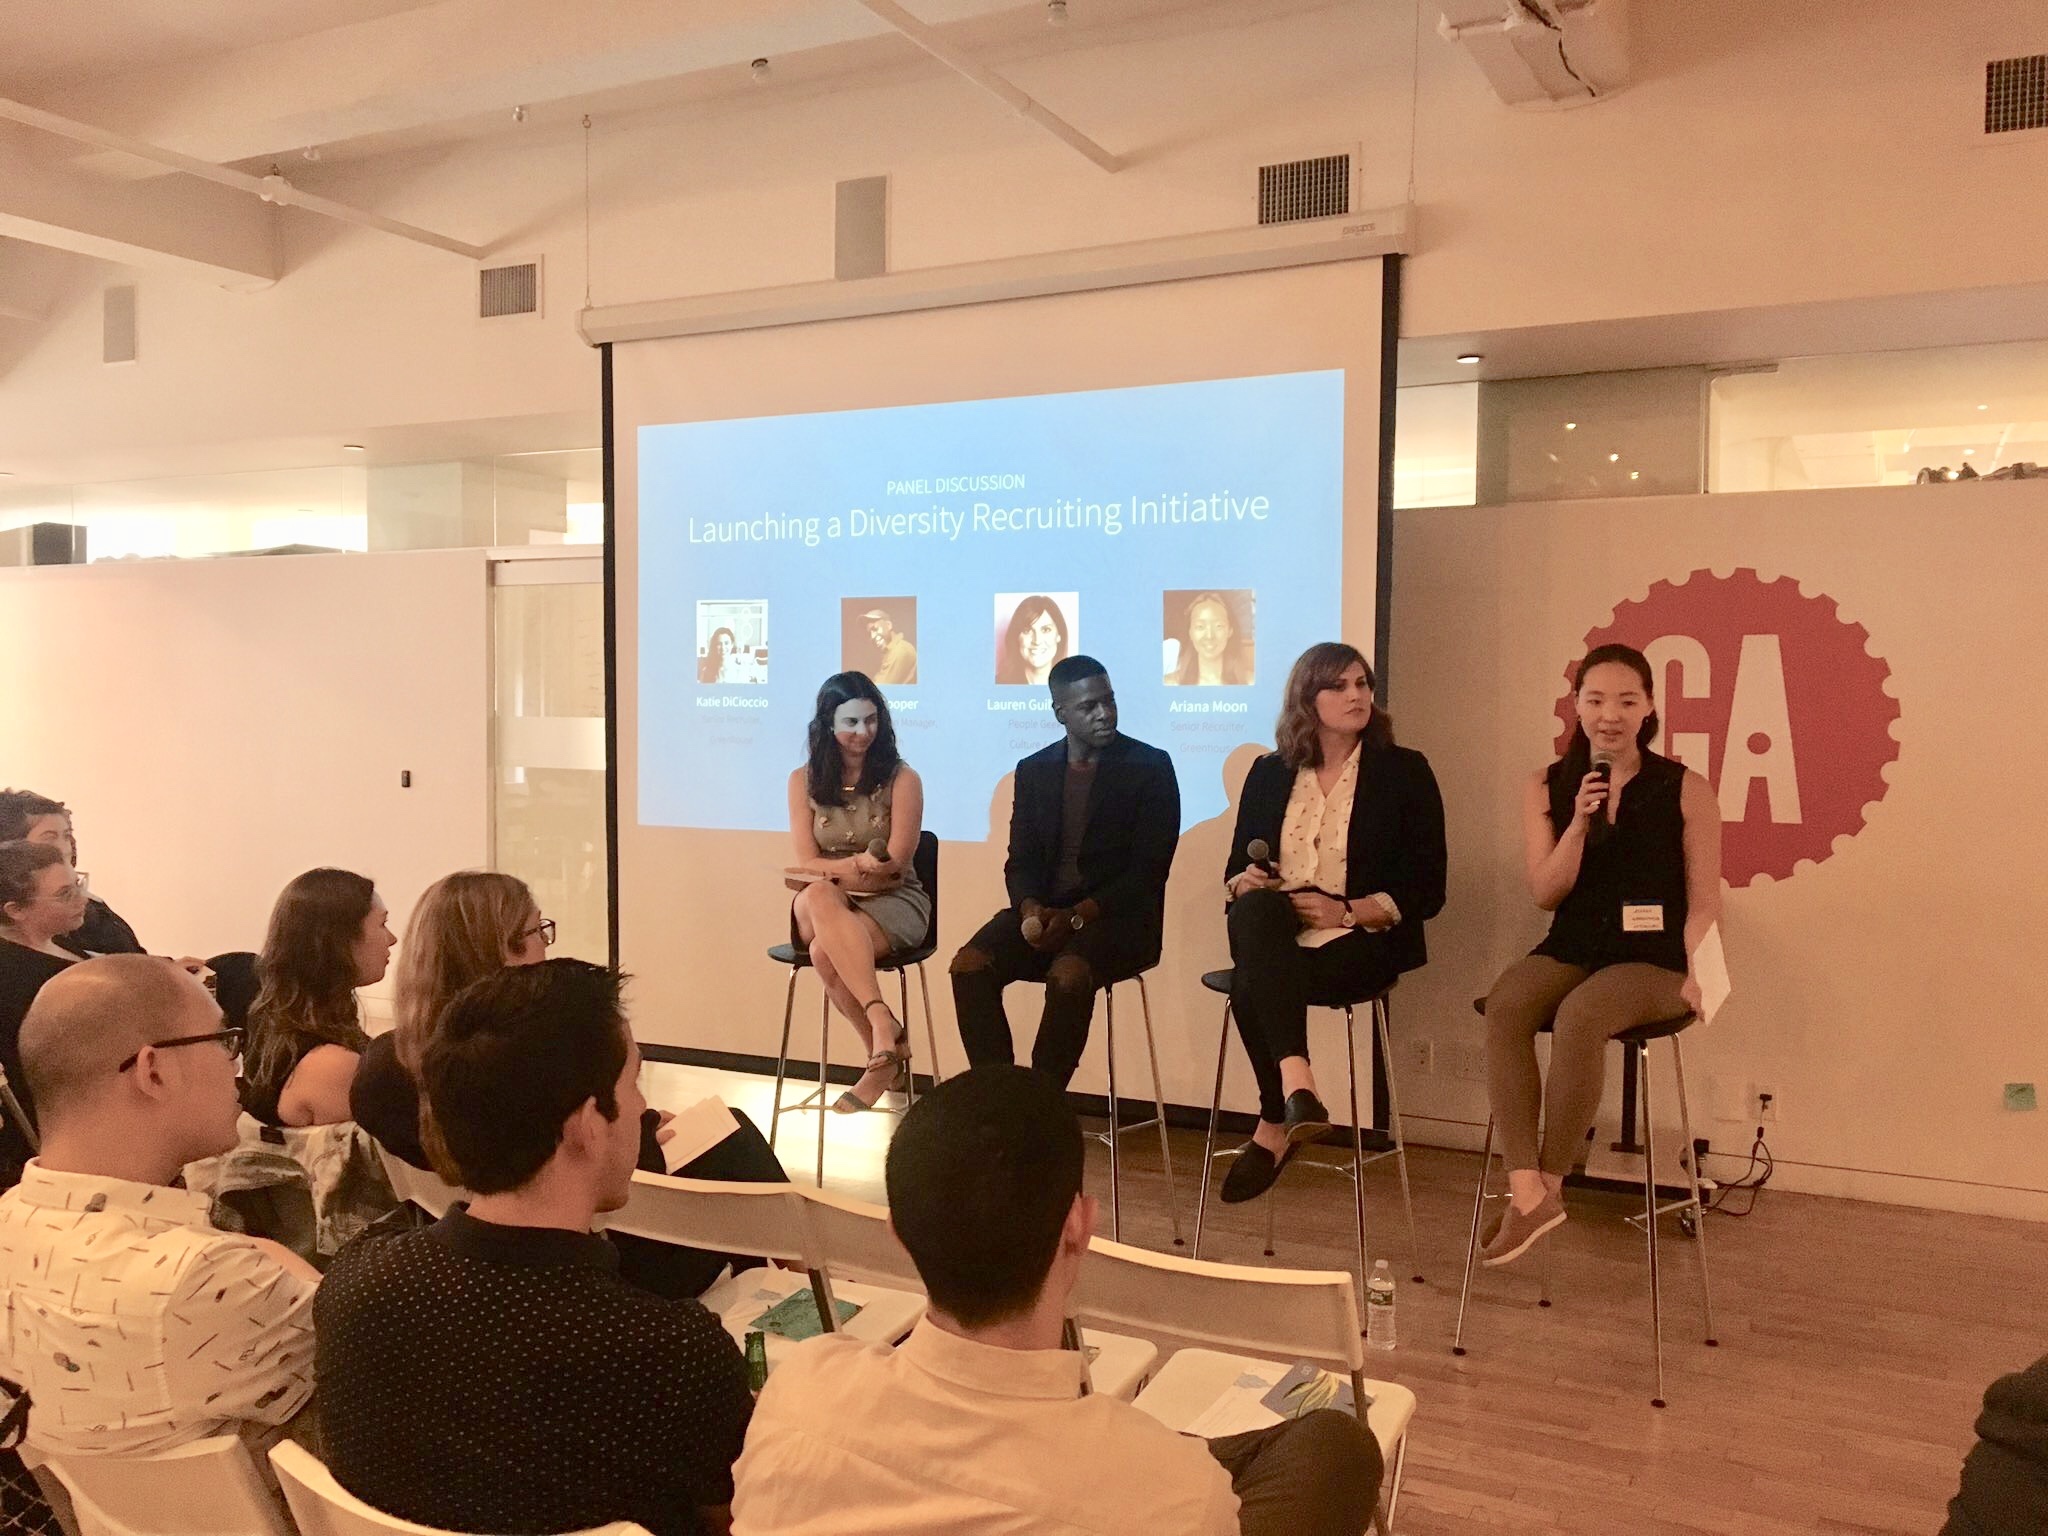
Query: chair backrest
x=926 y=862
x=424 y=1189
x=322 y=1507
x=234 y=984
x=1308 y=1314
x=764 y=1219
x=851 y=1240
x=208 y=1488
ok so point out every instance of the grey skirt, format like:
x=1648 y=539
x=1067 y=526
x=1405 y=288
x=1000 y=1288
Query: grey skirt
x=904 y=915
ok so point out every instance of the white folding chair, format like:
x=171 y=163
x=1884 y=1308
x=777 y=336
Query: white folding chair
x=424 y=1189
x=1283 y=1314
x=208 y=1488
x=322 y=1507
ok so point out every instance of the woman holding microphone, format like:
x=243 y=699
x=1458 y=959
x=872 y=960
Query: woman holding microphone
x=1623 y=847
x=1337 y=862
x=853 y=906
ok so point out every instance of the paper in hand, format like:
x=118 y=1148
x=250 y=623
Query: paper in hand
x=1710 y=970
x=697 y=1130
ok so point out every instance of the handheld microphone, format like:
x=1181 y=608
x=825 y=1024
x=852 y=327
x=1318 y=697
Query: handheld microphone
x=1598 y=830
x=1260 y=852
x=878 y=850
x=1033 y=926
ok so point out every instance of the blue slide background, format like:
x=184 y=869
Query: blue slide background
x=718 y=756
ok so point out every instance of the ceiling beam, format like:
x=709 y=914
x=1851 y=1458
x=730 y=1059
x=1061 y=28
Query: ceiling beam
x=191 y=226
x=452 y=60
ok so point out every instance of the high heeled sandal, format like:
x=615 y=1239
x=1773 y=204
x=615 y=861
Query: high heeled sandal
x=851 y=1103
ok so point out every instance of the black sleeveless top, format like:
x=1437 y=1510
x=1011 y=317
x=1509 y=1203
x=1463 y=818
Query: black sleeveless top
x=1640 y=864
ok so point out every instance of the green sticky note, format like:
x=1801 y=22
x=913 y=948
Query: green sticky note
x=2019 y=1096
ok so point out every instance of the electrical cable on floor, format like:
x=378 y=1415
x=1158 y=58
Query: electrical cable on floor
x=1754 y=1178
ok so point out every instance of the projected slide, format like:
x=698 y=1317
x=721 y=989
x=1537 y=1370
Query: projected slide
x=1189 y=536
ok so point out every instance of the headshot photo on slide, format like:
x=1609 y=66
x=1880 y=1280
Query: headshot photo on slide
x=732 y=641
x=1034 y=630
x=878 y=636
x=1207 y=638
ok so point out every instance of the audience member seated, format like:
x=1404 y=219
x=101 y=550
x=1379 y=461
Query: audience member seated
x=2004 y=1490
x=467 y=926
x=41 y=900
x=35 y=818
x=328 y=935
x=492 y=1372
x=976 y=1422
x=133 y=1324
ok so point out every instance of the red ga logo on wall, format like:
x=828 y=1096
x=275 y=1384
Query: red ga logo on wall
x=1775 y=698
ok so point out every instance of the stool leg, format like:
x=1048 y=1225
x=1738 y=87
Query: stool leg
x=824 y=1050
x=1472 y=1240
x=909 y=1077
x=1394 y=1484
x=1159 y=1107
x=1650 y=1216
x=931 y=1030
x=1209 y=1146
x=1116 y=1183
x=1379 y=1018
x=782 y=1058
x=1357 y=1151
x=1699 y=1211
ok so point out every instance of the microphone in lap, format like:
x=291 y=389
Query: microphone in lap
x=1260 y=852
x=878 y=850
x=1033 y=926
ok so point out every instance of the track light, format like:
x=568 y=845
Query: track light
x=1056 y=13
x=1471 y=359
x=759 y=70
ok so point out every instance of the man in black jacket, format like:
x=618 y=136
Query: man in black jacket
x=2004 y=1489
x=1092 y=833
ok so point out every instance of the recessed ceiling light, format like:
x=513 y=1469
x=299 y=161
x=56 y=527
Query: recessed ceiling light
x=1571 y=426
x=1614 y=458
x=6 y=474
x=1983 y=407
x=352 y=448
x=1056 y=13
x=1471 y=359
x=1635 y=474
x=1968 y=451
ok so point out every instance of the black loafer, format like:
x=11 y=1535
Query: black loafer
x=1305 y=1118
x=1252 y=1173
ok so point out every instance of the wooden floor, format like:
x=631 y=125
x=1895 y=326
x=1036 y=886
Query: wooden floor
x=1856 y=1343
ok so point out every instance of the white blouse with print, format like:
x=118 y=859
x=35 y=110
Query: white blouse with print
x=1315 y=838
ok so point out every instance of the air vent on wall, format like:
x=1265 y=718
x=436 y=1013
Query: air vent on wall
x=510 y=290
x=2016 y=94
x=117 y=325
x=1305 y=189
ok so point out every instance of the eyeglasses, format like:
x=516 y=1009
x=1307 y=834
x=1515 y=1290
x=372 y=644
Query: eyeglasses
x=230 y=1040
x=545 y=928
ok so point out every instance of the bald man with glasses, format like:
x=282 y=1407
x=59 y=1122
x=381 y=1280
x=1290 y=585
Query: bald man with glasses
x=132 y=1322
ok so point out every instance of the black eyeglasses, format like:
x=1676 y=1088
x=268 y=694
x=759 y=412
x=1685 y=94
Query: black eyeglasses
x=230 y=1040
x=545 y=928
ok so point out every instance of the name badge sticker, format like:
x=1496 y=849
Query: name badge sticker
x=1642 y=917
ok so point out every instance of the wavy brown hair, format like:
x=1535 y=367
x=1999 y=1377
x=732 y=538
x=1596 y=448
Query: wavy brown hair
x=461 y=931
x=1296 y=734
x=306 y=974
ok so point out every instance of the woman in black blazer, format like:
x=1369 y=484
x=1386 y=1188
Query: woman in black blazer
x=1353 y=867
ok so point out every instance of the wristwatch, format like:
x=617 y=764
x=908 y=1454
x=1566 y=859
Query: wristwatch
x=1350 y=917
x=1076 y=920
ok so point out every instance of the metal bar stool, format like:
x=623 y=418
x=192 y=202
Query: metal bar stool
x=1117 y=1130
x=1220 y=981
x=926 y=862
x=1635 y=1044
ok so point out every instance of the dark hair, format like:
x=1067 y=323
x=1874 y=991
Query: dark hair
x=1237 y=664
x=1317 y=668
x=1577 y=760
x=19 y=807
x=306 y=974
x=827 y=785
x=20 y=863
x=509 y=1060
x=1009 y=665
x=1069 y=670
x=981 y=1174
x=707 y=666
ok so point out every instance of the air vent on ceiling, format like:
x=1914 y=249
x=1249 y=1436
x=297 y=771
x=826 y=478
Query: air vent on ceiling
x=510 y=290
x=117 y=325
x=2016 y=94
x=1304 y=189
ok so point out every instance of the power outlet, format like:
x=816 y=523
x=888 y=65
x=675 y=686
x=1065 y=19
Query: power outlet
x=1467 y=1061
x=1766 y=1107
x=1422 y=1057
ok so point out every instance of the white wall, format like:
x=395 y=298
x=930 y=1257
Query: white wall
x=218 y=726
x=1885 y=994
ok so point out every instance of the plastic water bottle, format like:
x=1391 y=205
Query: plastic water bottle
x=1379 y=1306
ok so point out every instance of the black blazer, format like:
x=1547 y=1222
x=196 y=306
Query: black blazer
x=1395 y=842
x=1133 y=826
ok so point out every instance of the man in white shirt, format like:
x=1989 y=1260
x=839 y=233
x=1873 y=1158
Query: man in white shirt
x=133 y=1324
x=976 y=1425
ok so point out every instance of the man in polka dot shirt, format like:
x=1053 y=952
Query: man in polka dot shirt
x=492 y=1372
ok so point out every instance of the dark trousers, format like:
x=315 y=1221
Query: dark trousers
x=676 y=1272
x=1318 y=1475
x=1276 y=980
x=1100 y=953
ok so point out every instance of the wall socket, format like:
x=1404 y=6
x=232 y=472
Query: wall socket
x=1466 y=1061
x=1421 y=1057
x=1766 y=1107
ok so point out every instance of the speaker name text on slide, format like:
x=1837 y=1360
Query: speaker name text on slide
x=1189 y=536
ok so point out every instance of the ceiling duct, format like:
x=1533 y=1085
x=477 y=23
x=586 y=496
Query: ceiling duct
x=1543 y=52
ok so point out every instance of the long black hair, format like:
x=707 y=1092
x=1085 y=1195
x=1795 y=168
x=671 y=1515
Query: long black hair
x=1577 y=761
x=827 y=783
